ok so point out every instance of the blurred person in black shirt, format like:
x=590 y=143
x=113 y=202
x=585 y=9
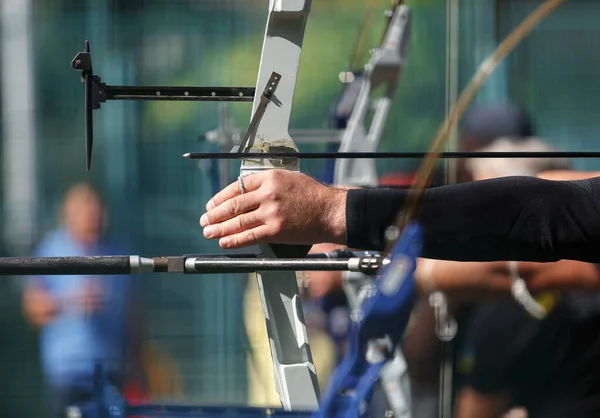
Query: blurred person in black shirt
x=550 y=367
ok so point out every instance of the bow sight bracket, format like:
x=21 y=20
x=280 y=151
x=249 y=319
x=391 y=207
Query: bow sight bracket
x=97 y=92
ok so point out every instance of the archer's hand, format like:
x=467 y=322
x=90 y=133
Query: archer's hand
x=280 y=207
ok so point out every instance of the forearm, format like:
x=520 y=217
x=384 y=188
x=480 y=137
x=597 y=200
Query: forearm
x=477 y=278
x=462 y=278
x=512 y=218
x=559 y=276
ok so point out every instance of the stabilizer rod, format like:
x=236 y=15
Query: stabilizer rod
x=369 y=265
x=92 y=265
x=192 y=264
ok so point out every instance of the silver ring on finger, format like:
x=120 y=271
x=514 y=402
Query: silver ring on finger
x=241 y=183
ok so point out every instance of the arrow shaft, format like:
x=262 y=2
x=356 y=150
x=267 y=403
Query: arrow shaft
x=384 y=155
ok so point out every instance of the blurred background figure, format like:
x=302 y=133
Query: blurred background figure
x=83 y=320
x=486 y=168
x=482 y=125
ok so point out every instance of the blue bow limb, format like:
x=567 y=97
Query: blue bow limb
x=383 y=315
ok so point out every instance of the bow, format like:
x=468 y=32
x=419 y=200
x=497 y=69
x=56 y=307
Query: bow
x=384 y=69
x=295 y=374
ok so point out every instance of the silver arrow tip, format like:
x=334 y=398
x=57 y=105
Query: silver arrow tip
x=186 y=155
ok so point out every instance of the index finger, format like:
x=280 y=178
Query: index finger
x=251 y=183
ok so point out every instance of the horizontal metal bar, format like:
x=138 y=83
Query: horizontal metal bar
x=203 y=265
x=166 y=98
x=238 y=94
x=384 y=155
x=366 y=265
x=123 y=265
x=339 y=253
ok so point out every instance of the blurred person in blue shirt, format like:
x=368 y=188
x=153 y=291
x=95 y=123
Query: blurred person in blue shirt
x=83 y=320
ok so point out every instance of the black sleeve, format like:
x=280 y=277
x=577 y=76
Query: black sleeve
x=510 y=218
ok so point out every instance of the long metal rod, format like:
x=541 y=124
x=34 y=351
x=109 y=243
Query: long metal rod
x=178 y=93
x=134 y=264
x=67 y=265
x=241 y=94
x=382 y=155
x=205 y=265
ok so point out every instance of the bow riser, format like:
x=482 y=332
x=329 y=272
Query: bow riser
x=295 y=374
